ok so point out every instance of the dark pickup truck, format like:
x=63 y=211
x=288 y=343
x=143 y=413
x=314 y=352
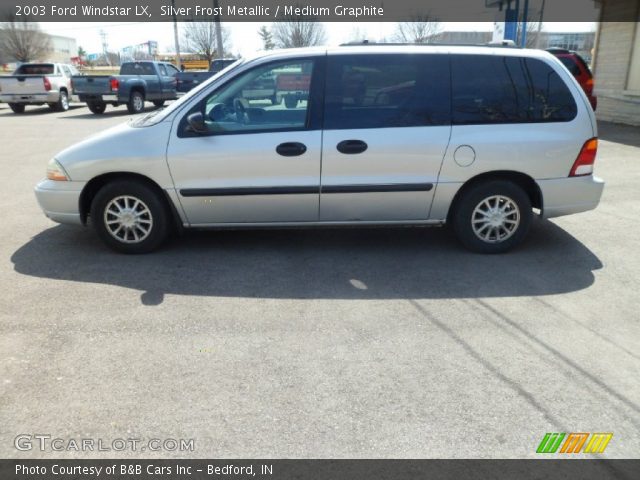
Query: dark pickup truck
x=189 y=80
x=138 y=82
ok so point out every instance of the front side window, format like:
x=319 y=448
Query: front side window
x=387 y=90
x=273 y=97
x=163 y=70
x=171 y=70
x=490 y=89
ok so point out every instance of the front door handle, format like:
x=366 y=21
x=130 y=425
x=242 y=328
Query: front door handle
x=352 y=146
x=291 y=149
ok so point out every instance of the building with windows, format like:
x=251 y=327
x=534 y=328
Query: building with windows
x=616 y=65
x=62 y=49
x=580 y=42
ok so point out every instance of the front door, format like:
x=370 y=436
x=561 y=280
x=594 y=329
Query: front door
x=258 y=160
x=168 y=78
x=386 y=130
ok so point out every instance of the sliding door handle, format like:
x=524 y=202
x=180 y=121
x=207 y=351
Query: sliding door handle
x=351 y=147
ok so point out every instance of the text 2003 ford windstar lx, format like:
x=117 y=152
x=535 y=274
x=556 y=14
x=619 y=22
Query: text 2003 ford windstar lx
x=477 y=137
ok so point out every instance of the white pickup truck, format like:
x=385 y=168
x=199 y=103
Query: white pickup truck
x=37 y=84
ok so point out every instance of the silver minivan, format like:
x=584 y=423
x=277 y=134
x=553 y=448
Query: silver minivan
x=481 y=138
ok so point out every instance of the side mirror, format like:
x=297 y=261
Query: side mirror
x=196 y=123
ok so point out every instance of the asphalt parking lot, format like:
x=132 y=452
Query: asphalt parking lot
x=369 y=343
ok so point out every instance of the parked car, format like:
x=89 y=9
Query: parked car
x=486 y=138
x=293 y=87
x=188 y=80
x=37 y=84
x=138 y=82
x=579 y=69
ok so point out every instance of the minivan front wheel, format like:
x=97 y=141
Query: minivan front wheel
x=130 y=217
x=492 y=217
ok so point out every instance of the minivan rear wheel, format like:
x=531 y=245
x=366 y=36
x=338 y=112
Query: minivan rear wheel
x=492 y=217
x=130 y=217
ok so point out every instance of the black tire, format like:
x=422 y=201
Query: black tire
x=152 y=210
x=158 y=103
x=97 y=107
x=17 y=107
x=136 y=102
x=62 y=105
x=290 y=101
x=499 y=194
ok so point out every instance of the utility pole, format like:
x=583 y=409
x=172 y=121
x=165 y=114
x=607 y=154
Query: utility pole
x=523 y=40
x=175 y=35
x=539 y=34
x=219 y=45
x=105 y=46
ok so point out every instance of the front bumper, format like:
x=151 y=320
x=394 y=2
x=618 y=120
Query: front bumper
x=564 y=196
x=49 y=97
x=60 y=201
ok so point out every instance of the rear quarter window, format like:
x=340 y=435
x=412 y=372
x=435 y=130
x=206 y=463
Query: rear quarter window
x=491 y=89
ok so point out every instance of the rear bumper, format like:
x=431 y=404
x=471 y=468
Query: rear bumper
x=60 y=201
x=49 y=97
x=110 y=98
x=564 y=196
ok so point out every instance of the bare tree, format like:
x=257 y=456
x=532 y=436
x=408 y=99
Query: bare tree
x=267 y=38
x=419 y=30
x=22 y=39
x=357 y=35
x=298 y=32
x=533 y=31
x=200 y=37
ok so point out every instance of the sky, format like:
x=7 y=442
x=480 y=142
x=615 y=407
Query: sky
x=244 y=37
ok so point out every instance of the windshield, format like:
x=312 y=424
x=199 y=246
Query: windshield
x=158 y=116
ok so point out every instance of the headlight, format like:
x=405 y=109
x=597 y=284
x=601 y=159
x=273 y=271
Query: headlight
x=56 y=172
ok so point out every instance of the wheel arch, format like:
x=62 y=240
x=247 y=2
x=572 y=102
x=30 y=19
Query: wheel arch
x=524 y=181
x=95 y=184
x=138 y=88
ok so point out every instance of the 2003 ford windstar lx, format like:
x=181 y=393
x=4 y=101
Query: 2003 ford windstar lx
x=478 y=137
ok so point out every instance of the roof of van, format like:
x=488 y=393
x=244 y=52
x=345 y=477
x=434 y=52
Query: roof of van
x=373 y=48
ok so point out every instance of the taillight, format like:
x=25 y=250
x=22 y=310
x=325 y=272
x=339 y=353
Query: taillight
x=586 y=158
x=47 y=84
x=114 y=84
x=588 y=85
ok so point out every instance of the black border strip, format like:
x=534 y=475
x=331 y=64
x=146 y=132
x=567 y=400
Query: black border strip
x=302 y=190
x=242 y=191
x=385 y=187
